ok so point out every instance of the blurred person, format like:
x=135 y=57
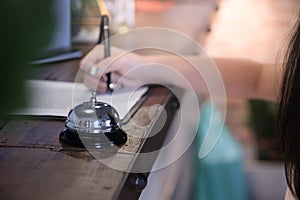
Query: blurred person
x=242 y=79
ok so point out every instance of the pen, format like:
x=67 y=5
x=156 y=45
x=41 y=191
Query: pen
x=104 y=37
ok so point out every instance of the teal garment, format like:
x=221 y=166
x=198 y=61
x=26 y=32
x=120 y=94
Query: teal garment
x=220 y=174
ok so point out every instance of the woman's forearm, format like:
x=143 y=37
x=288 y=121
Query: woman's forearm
x=242 y=78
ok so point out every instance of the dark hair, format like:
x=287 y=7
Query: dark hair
x=289 y=112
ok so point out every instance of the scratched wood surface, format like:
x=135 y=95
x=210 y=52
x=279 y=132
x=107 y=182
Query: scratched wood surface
x=35 y=165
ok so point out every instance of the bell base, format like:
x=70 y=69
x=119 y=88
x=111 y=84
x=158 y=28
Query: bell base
x=71 y=137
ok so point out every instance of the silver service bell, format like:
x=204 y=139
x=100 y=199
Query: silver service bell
x=93 y=124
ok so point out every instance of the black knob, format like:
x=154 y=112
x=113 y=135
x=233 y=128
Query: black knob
x=139 y=181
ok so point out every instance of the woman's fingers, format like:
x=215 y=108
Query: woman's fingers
x=118 y=64
x=92 y=58
x=98 y=83
x=95 y=62
x=95 y=83
x=119 y=60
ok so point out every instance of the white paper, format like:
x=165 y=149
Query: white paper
x=54 y=98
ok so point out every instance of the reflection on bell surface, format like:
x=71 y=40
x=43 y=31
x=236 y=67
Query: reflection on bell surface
x=93 y=124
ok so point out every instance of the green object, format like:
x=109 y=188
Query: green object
x=219 y=175
x=26 y=28
x=262 y=120
x=262 y=117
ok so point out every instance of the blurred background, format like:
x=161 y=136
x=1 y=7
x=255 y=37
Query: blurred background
x=255 y=29
x=247 y=161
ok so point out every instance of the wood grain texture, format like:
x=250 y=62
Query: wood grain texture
x=35 y=165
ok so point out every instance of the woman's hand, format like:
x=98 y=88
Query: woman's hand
x=118 y=64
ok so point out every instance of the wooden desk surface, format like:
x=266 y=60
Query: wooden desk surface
x=35 y=165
